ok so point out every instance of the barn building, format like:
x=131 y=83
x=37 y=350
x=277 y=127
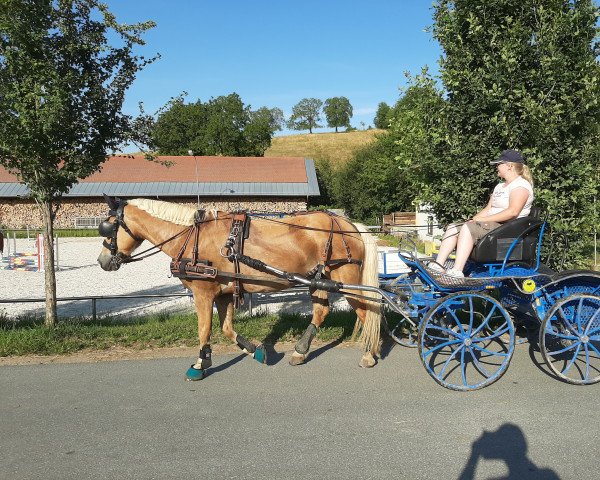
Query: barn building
x=264 y=184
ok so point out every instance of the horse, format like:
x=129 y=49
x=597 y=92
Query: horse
x=316 y=244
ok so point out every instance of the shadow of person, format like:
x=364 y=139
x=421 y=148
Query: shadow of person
x=509 y=445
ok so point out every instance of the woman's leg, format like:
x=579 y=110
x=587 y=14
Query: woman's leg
x=449 y=241
x=464 y=248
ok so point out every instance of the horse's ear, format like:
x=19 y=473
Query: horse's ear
x=110 y=201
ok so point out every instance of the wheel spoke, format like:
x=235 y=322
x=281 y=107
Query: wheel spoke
x=496 y=334
x=594 y=331
x=440 y=346
x=462 y=330
x=591 y=322
x=567 y=322
x=481 y=349
x=471 y=314
x=594 y=348
x=566 y=349
x=463 y=366
x=442 y=329
x=570 y=364
x=564 y=337
x=447 y=362
x=587 y=363
x=485 y=321
x=477 y=364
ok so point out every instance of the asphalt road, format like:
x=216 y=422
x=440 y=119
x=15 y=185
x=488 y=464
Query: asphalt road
x=326 y=419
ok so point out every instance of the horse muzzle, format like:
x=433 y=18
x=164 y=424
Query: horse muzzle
x=111 y=263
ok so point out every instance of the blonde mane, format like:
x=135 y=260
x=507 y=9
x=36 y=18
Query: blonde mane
x=170 y=212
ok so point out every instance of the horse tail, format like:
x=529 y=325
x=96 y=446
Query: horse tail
x=371 y=329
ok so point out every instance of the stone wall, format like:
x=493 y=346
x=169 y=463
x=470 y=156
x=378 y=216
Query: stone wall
x=19 y=213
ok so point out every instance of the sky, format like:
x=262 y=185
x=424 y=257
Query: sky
x=275 y=53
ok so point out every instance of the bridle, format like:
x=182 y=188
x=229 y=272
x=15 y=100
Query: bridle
x=109 y=229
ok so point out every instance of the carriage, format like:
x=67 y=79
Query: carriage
x=465 y=329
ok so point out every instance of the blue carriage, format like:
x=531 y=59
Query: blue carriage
x=466 y=329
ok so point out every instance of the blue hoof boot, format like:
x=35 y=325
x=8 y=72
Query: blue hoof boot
x=194 y=374
x=260 y=355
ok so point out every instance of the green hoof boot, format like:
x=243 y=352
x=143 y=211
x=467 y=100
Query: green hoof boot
x=194 y=374
x=260 y=354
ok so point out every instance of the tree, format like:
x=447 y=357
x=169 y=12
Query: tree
x=221 y=126
x=390 y=173
x=338 y=112
x=62 y=86
x=305 y=115
x=382 y=119
x=522 y=74
x=260 y=129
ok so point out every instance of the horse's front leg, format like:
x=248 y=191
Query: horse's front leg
x=320 y=304
x=203 y=301
x=224 y=305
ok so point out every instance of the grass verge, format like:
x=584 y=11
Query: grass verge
x=28 y=336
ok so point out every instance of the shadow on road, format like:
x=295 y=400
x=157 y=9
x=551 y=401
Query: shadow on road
x=509 y=445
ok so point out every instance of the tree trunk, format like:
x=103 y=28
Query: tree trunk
x=49 y=272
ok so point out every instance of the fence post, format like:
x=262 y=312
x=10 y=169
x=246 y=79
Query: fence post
x=93 y=309
x=56 y=264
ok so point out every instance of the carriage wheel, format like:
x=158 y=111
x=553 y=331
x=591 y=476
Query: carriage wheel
x=570 y=339
x=403 y=333
x=462 y=341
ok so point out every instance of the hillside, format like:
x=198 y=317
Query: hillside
x=335 y=147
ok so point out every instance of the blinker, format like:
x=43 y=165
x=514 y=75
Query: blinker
x=107 y=229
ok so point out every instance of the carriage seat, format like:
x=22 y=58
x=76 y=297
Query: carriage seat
x=494 y=246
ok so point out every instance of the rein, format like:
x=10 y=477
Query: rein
x=134 y=258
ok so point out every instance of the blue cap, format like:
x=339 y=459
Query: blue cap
x=509 y=156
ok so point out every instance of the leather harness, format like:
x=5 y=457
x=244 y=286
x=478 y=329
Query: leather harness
x=195 y=268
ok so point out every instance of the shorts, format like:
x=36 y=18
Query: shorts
x=479 y=229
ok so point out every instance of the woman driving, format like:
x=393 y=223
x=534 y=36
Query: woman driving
x=510 y=199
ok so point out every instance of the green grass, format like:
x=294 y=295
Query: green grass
x=27 y=335
x=58 y=232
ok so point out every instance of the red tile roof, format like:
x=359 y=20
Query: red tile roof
x=128 y=168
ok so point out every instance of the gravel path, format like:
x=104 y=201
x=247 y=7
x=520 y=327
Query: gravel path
x=79 y=275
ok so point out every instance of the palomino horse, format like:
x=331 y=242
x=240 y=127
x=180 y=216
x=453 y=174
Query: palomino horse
x=311 y=244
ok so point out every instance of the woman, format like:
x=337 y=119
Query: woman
x=510 y=199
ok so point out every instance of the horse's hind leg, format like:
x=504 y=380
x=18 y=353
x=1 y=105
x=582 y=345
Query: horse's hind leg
x=320 y=304
x=224 y=305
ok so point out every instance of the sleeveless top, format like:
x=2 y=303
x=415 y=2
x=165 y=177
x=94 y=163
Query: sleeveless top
x=501 y=194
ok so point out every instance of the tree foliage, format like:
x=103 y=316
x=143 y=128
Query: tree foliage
x=306 y=115
x=382 y=116
x=338 y=112
x=389 y=174
x=221 y=126
x=521 y=74
x=62 y=86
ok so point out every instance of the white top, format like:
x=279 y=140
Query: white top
x=501 y=195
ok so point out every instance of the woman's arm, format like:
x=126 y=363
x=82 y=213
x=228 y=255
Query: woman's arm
x=516 y=202
x=483 y=213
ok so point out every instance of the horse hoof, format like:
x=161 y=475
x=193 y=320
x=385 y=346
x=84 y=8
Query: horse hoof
x=367 y=361
x=194 y=374
x=260 y=354
x=297 y=359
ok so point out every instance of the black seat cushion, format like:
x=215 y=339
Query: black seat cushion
x=494 y=246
